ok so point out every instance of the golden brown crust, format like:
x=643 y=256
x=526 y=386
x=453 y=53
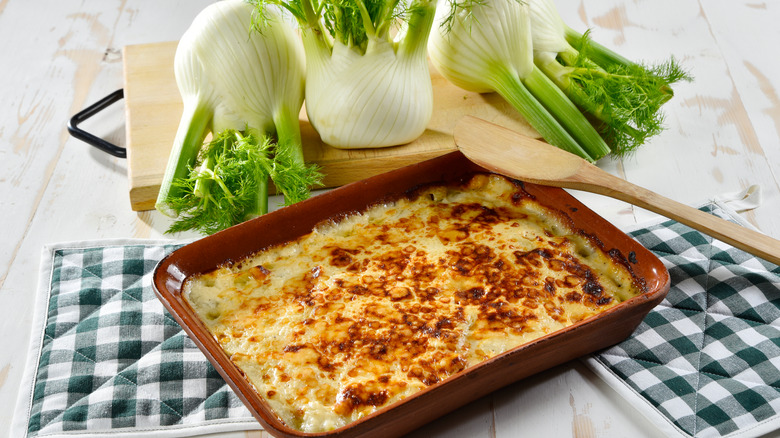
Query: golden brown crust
x=365 y=312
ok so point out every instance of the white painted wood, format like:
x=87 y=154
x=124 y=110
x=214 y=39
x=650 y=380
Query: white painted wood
x=58 y=57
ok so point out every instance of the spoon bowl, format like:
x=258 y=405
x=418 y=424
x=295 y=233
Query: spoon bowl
x=527 y=159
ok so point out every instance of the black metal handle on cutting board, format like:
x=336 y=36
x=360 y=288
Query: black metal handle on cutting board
x=103 y=145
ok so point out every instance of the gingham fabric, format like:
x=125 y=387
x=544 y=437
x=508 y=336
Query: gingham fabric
x=706 y=360
x=107 y=358
x=111 y=359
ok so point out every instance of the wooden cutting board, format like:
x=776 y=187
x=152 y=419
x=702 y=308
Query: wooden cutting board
x=153 y=108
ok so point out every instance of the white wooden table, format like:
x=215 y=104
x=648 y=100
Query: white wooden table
x=57 y=57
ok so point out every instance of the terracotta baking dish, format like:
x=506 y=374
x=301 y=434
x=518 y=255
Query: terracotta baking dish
x=582 y=338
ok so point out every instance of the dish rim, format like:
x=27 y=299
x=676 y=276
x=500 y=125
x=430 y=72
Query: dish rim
x=173 y=270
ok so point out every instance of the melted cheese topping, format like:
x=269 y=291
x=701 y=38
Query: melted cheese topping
x=361 y=313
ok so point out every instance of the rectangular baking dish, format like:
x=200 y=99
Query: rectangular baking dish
x=436 y=400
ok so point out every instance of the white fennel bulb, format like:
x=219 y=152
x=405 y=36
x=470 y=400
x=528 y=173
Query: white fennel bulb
x=242 y=81
x=380 y=98
x=547 y=28
x=258 y=75
x=473 y=47
x=367 y=83
x=487 y=46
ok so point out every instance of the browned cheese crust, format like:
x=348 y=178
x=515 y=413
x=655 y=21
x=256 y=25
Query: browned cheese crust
x=372 y=308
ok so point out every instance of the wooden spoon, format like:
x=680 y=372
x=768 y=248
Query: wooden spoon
x=515 y=155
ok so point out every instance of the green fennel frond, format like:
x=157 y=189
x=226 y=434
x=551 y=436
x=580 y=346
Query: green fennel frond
x=226 y=185
x=351 y=22
x=625 y=98
x=292 y=177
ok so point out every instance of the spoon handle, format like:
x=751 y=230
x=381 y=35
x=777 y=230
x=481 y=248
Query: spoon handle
x=591 y=178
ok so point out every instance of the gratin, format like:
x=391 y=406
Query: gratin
x=372 y=307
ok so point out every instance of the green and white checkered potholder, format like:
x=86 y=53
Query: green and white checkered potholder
x=108 y=358
x=706 y=361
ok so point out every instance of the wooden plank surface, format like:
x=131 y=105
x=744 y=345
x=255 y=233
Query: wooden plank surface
x=153 y=108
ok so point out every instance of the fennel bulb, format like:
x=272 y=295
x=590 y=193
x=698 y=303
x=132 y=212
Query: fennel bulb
x=625 y=97
x=367 y=78
x=243 y=86
x=485 y=46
